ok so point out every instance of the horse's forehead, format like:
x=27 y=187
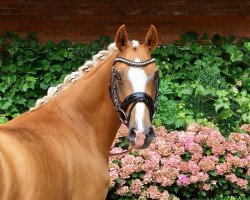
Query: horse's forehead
x=133 y=53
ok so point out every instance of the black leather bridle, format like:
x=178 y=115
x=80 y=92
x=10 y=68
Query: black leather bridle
x=134 y=98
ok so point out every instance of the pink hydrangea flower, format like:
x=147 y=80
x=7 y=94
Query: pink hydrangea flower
x=193 y=167
x=245 y=127
x=183 y=180
x=153 y=192
x=206 y=186
x=166 y=176
x=242 y=183
x=208 y=163
x=136 y=186
x=202 y=176
x=194 y=127
x=164 y=195
x=148 y=177
x=122 y=191
x=223 y=168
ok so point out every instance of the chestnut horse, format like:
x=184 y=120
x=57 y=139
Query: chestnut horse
x=60 y=149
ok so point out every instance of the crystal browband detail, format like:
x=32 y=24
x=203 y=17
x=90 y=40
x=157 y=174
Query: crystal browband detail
x=132 y=63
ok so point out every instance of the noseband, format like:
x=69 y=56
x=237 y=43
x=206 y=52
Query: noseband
x=134 y=98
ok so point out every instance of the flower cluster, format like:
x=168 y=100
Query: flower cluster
x=197 y=156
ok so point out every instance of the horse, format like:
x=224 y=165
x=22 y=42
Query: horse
x=59 y=149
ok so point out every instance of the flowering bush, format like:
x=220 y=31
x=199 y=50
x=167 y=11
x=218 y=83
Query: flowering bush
x=205 y=80
x=196 y=163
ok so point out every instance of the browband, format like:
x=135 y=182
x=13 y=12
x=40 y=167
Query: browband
x=132 y=63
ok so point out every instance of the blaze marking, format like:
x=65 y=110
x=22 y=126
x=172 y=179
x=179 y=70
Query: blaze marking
x=138 y=79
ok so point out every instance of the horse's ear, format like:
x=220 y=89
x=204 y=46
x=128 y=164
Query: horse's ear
x=121 y=38
x=151 y=39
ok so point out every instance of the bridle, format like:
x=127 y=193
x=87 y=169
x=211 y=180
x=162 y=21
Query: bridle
x=134 y=98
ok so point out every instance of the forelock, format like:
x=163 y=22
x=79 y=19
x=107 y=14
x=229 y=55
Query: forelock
x=135 y=44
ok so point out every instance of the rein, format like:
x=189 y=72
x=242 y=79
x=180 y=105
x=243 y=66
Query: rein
x=134 y=98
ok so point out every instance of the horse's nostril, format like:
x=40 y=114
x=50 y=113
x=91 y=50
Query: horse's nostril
x=151 y=133
x=132 y=134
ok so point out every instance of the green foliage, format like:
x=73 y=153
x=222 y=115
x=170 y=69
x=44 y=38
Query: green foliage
x=203 y=79
x=206 y=81
x=28 y=68
x=225 y=197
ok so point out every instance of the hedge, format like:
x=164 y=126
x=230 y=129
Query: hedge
x=204 y=80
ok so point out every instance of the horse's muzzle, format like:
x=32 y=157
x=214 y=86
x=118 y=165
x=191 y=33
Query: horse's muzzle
x=141 y=140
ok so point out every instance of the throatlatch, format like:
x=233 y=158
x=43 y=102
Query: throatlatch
x=134 y=98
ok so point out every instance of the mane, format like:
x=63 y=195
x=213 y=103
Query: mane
x=74 y=76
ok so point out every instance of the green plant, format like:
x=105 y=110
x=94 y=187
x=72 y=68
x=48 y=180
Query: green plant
x=204 y=80
x=225 y=197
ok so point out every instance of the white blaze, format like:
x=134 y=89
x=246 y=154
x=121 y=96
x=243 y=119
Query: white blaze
x=138 y=79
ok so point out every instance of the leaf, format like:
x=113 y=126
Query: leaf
x=179 y=123
x=235 y=191
x=225 y=186
x=4 y=105
x=176 y=189
x=246 y=117
x=3 y=119
x=55 y=68
x=225 y=114
x=187 y=91
x=222 y=93
x=216 y=39
x=45 y=64
x=247 y=45
x=44 y=85
x=220 y=103
x=242 y=100
x=213 y=173
x=190 y=36
x=235 y=54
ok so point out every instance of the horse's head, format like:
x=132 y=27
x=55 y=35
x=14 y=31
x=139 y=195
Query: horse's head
x=134 y=85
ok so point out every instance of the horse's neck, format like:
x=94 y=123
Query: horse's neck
x=88 y=98
x=85 y=105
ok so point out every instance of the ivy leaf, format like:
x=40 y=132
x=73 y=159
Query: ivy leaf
x=187 y=90
x=221 y=93
x=3 y=119
x=242 y=100
x=246 y=117
x=179 y=123
x=29 y=83
x=219 y=103
x=235 y=54
x=55 y=68
x=247 y=45
x=225 y=114
x=5 y=104
x=190 y=36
